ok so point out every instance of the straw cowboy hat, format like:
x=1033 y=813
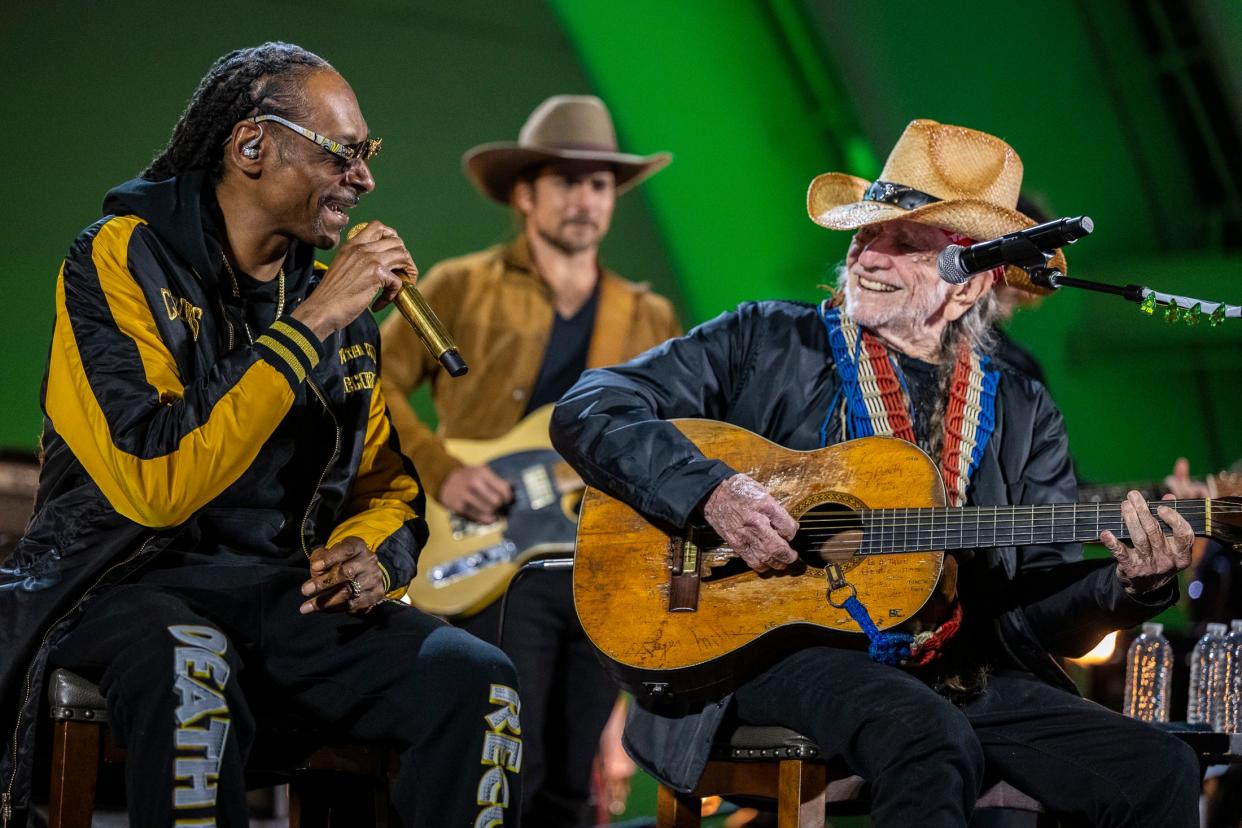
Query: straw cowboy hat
x=950 y=177
x=562 y=128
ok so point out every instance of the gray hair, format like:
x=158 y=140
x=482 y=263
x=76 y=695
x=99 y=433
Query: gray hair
x=976 y=327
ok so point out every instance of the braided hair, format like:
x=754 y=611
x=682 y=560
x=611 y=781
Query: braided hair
x=267 y=78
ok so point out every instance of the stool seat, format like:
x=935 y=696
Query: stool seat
x=70 y=697
x=763 y=742
x=774 y=762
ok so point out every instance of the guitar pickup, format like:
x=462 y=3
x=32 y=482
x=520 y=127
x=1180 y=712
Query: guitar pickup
x=539 y=488
x=683 y=579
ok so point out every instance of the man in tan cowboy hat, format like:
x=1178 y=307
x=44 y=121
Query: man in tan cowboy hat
x=530 y=316
x=927 y=721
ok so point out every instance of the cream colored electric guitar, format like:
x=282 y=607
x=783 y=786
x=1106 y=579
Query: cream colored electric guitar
x=466 y=565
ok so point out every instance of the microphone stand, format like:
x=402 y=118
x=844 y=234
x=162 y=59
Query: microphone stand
x=1186 y=309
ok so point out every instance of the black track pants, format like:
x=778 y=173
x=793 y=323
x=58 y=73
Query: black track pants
x=189 y=655
x=927 y=760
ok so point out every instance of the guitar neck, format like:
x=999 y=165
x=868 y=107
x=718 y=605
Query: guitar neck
x=888 y=531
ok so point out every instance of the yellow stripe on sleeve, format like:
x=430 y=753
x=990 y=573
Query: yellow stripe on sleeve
x=284 y=353
x=167 y=489
x=298 y=339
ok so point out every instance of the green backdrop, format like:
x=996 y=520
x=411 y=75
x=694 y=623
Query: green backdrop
x=754 y=98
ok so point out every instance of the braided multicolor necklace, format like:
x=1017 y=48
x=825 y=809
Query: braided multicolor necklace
x=872 y=399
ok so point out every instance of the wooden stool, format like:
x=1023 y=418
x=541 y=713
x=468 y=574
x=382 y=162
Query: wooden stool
x=330 y=779
x=780 y=764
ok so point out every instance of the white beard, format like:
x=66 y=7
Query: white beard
x=905 y=313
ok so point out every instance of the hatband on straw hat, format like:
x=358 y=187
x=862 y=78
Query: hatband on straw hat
x=562 y=128
x=950 y=177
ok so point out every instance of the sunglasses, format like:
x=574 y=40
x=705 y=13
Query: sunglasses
x=351 y=154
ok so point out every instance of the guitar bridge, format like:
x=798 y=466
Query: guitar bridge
x=467 y=565
x=683 y=580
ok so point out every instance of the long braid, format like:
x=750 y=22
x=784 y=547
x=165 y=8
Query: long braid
x=265 y=78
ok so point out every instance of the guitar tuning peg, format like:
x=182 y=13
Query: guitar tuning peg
x=1148 y=305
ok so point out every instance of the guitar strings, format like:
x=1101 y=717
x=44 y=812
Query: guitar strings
x=923 y=514
x=834 y=543
x=856 y=550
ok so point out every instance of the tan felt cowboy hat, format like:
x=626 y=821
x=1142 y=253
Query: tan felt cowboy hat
x=562 y=128
x=950 y=177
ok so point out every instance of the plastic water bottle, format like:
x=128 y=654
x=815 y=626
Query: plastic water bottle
x=1233 y=678
x=1149 y=668
x=1207 y=679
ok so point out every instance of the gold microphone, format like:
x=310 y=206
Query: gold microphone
x=425 y=323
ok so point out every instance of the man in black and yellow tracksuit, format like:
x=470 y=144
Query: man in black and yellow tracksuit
x=223 y=505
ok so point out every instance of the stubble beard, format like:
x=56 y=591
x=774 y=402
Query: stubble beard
x=567 y=243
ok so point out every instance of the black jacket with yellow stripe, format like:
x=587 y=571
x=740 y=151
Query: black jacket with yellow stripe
x=174 y=418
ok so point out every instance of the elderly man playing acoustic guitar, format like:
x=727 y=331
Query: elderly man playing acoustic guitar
x=978 y=696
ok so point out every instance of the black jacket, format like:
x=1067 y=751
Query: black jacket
x=768 y=368
x=172 y=419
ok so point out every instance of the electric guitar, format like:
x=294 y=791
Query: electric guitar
x=467 y=565
x=684 y=614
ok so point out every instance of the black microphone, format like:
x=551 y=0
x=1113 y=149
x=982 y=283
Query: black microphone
x=1024 y=248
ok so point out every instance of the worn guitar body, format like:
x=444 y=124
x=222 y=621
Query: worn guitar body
x=465 y=565
x=622 y=580
x=682 y=613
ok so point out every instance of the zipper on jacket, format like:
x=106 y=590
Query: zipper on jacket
x=229 y=325
x=6 y=806
x=336 y=450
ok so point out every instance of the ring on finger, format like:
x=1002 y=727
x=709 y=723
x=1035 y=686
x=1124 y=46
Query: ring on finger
x=355 y=588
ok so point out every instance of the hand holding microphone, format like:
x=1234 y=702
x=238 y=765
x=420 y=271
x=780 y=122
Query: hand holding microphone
x=423 y=319
x=374 y=258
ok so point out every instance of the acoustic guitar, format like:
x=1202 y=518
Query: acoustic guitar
x=681 y=613
x=467 y=565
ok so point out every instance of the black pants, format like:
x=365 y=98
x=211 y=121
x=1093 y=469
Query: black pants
x=186 y=655
x=566 y=695
x=926 y=760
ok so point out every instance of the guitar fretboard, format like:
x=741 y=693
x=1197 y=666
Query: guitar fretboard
x=886 y=531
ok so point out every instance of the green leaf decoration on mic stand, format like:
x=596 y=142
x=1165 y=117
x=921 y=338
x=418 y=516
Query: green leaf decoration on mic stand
x=1185 y=309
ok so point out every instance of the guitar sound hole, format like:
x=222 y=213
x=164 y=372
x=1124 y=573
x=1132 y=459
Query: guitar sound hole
x=828 y=533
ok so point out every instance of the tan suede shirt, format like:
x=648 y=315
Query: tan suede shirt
x=500 y=312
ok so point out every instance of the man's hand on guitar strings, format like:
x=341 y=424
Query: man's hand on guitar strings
x=752 y=522
x=1155 y=558
x=475 y=492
